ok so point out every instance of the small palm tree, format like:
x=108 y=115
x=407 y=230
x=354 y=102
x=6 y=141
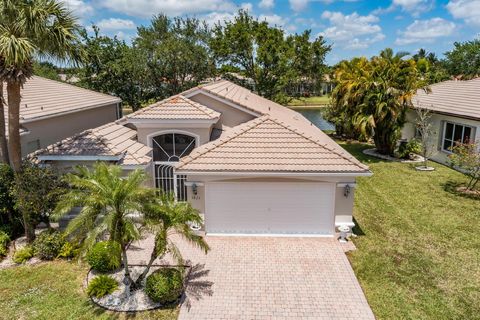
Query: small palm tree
x=165 y=218
x=110 y=206
x=28 y=29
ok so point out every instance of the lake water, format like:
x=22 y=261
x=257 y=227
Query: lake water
x=315 y=115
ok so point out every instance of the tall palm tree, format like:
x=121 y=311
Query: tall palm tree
x=110 y=206
x=165 y=218
x=28 y=29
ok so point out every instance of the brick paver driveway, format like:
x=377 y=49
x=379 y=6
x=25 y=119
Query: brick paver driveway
x=268 y=278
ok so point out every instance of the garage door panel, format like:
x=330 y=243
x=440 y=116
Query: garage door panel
x=269 y=207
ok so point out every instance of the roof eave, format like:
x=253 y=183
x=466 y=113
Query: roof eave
x=367 y=173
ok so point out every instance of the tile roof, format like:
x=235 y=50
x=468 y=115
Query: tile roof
x=268 y=144
x=461 y=98
x=112 y=139
x=45 y=98
x=176 y=108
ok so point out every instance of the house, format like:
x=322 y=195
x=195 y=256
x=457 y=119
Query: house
x=52 y=110
x=249 y=165
x=455 y=115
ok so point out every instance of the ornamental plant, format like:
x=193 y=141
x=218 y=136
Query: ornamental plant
x=466 y=157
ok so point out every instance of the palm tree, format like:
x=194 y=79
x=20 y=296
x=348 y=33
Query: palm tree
x=165 y=218
x=28 y=29
x=110 y=206
x=3 y=137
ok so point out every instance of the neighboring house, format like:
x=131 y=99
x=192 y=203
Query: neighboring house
x=251 y=166
x=51 y=111
x=455 y=108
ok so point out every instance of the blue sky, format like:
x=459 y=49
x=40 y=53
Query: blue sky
x=353 y=27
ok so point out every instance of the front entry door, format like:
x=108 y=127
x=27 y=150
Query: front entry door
x=168 y=181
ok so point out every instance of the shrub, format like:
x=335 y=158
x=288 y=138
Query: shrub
x=164 y=285
x=23 y=255
x=104 y=256
x=68 y=251
x=4 y=240
x=48 y=244
x=101 y=286
x=406 y=149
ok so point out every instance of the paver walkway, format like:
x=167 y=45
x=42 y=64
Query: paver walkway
x=268 y=278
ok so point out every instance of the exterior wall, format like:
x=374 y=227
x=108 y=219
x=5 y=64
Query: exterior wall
x=343 y=206
x=438 y=123
x=202 y=133
x=44 y=132
x=230 y=117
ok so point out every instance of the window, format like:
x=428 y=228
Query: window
x=455 y=133
x=172 y=146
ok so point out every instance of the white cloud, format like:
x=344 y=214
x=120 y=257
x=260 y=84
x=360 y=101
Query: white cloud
x=247 y=6
x=425 y=31
x=266 y=4
x=298 y=5
x=414 y=7
x=352 y=31
x=469 y=10
x=147 y=8
x=214 y=18
x=79 y=8
x=115 y=24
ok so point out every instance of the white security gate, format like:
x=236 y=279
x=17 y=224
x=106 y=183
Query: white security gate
x=270 y=208
x=168 y=181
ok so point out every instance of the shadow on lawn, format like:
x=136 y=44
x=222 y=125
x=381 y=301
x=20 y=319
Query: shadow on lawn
x=357 y=229
x=453 y=186
x=356 y=150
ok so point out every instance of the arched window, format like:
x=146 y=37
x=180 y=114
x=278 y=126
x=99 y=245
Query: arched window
x=171 y=147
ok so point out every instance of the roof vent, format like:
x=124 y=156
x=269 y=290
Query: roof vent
x=41 y=108
x=26 y=106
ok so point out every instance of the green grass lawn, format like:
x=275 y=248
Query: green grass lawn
x=53 y=290
x=310 y=101
x=418 y=247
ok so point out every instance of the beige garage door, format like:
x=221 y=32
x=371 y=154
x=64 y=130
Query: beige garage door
x=269 y=208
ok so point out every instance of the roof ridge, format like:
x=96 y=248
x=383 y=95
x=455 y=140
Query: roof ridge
x=206 y=110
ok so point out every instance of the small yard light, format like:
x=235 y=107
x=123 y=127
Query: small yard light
x=346 y=191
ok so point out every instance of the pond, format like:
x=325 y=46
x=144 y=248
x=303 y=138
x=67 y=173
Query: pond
x=315 y=115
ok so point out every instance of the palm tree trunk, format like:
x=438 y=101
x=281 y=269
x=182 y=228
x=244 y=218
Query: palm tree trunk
x=153 y=256
x=127 y=280
x=14 y=147
x=3 y=136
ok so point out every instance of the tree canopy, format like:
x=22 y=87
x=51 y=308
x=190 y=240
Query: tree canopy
x=464 y=59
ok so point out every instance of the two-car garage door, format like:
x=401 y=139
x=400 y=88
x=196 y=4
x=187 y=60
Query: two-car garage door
x=269 y=208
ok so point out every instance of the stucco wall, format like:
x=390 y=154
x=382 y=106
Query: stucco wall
x=438 y=120
x=44 y=132
x=230 y=116
x=202 y=133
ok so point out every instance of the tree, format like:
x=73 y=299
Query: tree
x=36 y=191
x=176 y=52
x=466 y=157
x=110 y=206
x=4 y=158
x=29 y=29
x=46 y=70
x=431 y=68
x=272 y=60
x=113 y=67
x=464 y=59
x=166 y=217
x=425 y=130
x=8 y=214
x=376 y=95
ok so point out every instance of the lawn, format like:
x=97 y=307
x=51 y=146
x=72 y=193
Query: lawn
x=418 y=247
x=53 y=290
x=310 y=101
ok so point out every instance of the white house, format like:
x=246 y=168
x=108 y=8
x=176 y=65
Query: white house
x=250 y=166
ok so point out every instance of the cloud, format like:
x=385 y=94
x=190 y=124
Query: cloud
x=414 y=7
x=266 y=4
x=147 y=8
x=468 y=10
x=115 y=24
x=298 y=5
x=215 y=18
x=425 y=31
x=352 y=31
x=247 y=6
x=79 y=8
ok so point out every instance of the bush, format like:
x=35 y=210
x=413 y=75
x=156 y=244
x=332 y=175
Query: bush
x=101 y=286
x=23 y=255
x=104 y=256
x=48 y=244
x=406 y=149
x=4 y=240
x=68 y=251
x=164 y=285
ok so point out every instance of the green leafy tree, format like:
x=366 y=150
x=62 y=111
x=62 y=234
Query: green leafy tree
x=46 y=70
x=176 y=52
x=464 y=59
x=36 y=191
x=165 y=218
x=376 y=95
x=9 y=218
x=430 y=66
x=466 y=157
x=30 y=29
x=110 y=206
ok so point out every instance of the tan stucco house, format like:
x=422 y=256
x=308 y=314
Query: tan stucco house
x=455 y=115
x=51 y=111
x=249 y=165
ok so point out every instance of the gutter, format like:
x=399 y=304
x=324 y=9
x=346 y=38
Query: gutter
x=276 y=174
